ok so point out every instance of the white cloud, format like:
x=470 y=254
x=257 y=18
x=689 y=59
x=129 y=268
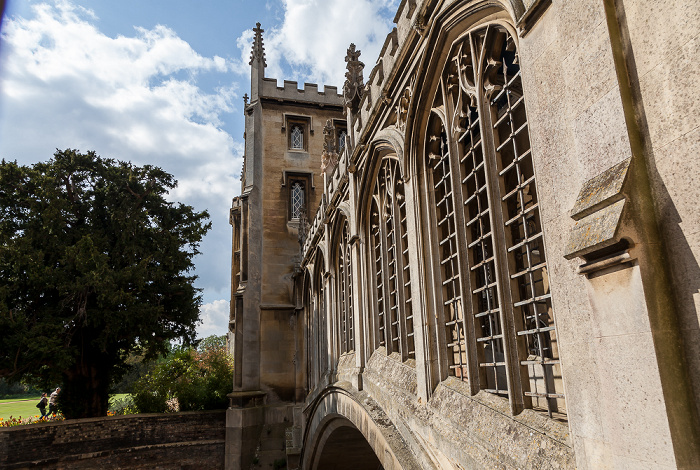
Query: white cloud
x=214 y=318
x=315 y=35
x=137 y=98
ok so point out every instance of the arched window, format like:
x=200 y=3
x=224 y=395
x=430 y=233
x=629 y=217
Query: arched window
x=498 y=318
x=342 y=135
x=297 y=199
x=316 y=327
x=345 y=285
x=389 y=261
x=296 y=137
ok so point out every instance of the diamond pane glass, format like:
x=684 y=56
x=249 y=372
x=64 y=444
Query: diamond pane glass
x=297 y=199
x=297 y=138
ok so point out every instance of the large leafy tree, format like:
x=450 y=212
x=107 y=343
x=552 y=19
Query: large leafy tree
x=95 y=263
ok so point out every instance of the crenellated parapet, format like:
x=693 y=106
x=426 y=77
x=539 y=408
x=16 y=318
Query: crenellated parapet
x=290 y=91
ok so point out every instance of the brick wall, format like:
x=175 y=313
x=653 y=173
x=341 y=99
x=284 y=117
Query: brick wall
x=163 y=441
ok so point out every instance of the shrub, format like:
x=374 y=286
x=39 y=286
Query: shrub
x=199 y=380
x=122 y=406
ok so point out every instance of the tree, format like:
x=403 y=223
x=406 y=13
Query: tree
x=211 y=342
x=94 y=264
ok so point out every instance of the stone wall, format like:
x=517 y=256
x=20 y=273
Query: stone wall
x=164 y=441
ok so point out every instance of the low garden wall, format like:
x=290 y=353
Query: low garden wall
x=185 y=440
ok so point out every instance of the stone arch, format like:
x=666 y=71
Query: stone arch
x=447 y=27
x=355 y=415
x=366 y=191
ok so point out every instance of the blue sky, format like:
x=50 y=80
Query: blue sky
x=161 y=82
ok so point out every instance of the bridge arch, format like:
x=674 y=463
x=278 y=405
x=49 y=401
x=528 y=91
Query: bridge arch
x=344 y=423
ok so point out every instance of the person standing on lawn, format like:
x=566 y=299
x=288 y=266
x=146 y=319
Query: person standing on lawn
x=42 y=404
x=53 y=401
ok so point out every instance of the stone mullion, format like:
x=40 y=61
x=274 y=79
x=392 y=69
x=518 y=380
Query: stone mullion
x=372 y=267
x=496 y=217
x=333 y=323
x=425 y=341
x=398 y=256
x=388 y=343
x=355 y=246
x=470 y=350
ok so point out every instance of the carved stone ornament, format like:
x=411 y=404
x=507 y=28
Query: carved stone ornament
x=329 y=157
x=258 y=52
x=354 y=82
x=402 y=107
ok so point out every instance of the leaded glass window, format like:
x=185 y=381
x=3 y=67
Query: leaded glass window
x=342 y=135
x=297 y=199
x=296 y=137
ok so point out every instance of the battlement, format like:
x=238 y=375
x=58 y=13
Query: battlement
x=309 y=94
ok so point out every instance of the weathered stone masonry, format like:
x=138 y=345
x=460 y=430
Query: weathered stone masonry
x=165 y=441
x=500 y=266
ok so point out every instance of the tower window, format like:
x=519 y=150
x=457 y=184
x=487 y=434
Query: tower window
x=342 y=135
x=296 y=137
x=297 y=199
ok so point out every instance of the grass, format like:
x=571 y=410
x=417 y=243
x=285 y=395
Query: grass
x=24 y=408
x=27 y=406
x=5 y=400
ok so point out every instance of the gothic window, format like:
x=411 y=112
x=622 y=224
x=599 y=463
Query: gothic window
x=345 y=286
x=316 y=327
x=389 y=260
x=500 y=331
x=296 y=137
x=342 y=135
x=297 y=199
x=297 y=185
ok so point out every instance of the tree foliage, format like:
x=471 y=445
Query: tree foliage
x=94 y=263
x=199 y=379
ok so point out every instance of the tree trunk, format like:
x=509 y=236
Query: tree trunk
x=85 y=392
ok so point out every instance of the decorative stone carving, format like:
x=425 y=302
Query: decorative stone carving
x=403 y=105
x=354 y=82
x=329 y=157
x=258 y=52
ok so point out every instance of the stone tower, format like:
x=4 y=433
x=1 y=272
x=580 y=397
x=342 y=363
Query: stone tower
x=281 y=178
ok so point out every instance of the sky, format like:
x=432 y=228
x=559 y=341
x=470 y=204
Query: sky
x=161 y=82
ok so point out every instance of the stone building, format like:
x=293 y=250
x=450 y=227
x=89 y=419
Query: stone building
x=485 y=255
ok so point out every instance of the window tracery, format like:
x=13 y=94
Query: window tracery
x=345 y=286
x=389 y=258
x=488 y=226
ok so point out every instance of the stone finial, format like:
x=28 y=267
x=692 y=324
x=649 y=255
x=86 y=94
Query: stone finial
x=245 y=100
x=258 y=52
x=354 y=82
x=329 y=157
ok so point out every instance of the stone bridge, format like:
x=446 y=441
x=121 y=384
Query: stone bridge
x=482 y=254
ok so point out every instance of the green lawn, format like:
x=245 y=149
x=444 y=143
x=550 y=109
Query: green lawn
x=27 y=407
x=4 y=400
x=22 y=408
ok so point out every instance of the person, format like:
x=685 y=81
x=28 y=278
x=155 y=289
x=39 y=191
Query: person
x=42 y=404
x=53 y=401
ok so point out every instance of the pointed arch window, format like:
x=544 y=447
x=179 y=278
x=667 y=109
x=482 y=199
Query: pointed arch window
x=345 y=286
x=342 y=136
x=389 y=260
x=497 y=310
